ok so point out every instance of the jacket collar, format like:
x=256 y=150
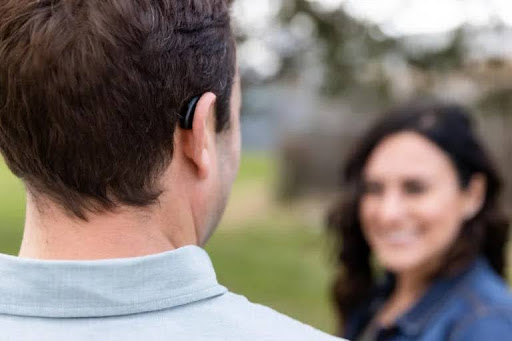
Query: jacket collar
x=418 y=318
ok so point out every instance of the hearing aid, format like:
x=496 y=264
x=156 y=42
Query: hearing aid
x=187 y=114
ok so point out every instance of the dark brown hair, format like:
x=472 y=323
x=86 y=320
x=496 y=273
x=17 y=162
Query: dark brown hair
x=451 y=129
x=90 y=92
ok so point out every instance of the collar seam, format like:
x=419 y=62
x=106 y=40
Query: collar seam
x=78 y=309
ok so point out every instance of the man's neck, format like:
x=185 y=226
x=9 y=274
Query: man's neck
x=52 y=234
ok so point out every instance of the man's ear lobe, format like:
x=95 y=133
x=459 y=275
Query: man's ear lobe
x=198 y=147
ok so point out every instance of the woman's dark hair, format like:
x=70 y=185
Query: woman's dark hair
x=451 y=129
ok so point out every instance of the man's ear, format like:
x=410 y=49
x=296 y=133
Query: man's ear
x=475 y=193
x=198 y=144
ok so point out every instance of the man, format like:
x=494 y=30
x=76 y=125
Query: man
x=122 y=119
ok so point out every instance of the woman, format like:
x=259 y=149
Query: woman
x=420 y=236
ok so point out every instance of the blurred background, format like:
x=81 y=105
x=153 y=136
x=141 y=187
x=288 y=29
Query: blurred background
x=315 y=74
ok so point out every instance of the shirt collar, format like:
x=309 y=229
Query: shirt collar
x=106 y=287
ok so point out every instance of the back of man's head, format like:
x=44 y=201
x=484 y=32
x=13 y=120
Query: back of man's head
x=91 y=90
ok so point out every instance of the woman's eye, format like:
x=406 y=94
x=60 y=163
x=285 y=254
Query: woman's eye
x=414 y=187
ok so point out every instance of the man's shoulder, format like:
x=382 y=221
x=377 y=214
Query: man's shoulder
x=258 y=322
x=226 y=317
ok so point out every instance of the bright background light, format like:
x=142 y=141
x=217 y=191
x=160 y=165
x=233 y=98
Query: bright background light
x=396 y=17
x=410 y=17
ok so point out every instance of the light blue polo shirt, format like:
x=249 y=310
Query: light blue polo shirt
x=168 y=296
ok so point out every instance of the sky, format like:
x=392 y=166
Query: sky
x=396 y=17
x=408 y=17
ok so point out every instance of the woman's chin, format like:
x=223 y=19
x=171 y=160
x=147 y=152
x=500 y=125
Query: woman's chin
x=402 y=263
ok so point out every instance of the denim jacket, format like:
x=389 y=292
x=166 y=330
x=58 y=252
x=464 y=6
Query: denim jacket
x=474 y=305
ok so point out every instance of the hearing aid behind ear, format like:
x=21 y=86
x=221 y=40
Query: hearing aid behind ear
x=187 y=113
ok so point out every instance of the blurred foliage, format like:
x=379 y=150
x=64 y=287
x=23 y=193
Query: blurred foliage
x=360 y=69
x=350 y=45
x=354 y=54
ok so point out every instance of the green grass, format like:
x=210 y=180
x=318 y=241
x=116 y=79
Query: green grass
x=254 y=167
x=278 y=266
x=12 y=211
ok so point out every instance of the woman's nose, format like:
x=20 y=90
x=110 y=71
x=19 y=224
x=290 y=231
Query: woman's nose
x=392 y=207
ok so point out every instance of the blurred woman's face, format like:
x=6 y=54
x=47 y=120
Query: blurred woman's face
x=413 y=207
